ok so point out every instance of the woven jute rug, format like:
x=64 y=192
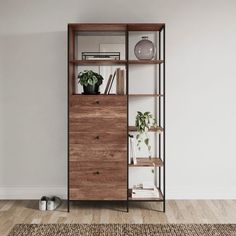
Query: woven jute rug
x=123 y=229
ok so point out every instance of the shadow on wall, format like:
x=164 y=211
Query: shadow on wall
x=34 y=110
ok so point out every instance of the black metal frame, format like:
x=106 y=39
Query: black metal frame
x=161 y=122
x=68 y=126
x=127 y=95
x=162 y=103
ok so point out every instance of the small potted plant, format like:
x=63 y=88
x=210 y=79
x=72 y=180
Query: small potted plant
x=90 y=81
x=144 y=121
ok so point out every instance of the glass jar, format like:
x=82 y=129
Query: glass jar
x=144 y=49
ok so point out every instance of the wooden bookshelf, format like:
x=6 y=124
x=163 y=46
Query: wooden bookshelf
x=147 y=162
x=102 y=119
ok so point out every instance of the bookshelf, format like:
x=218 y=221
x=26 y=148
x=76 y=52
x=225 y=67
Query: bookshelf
x=98 y=125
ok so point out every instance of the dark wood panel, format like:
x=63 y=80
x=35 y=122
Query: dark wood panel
x=97 y=112
x=107 y=192
x=98 y=27
x=98 y=101
x=145 y=27
x=96 y=139
x=101 y=153
x=98 y=106
x=98 y=180
x=116 y=27
x=91 y=124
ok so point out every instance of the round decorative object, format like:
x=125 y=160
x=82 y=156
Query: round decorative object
x=144 y=49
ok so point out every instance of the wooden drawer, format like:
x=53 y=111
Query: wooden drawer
x=98 y=180
x=108 y=153
x=82 y=124
x=106 y=106
x=97 y=139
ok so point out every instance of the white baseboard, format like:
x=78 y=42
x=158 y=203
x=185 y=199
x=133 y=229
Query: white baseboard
x=198 y=193
x=10 y=193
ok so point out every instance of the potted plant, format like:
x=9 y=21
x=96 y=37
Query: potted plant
x=144 y=121
x=90 y=81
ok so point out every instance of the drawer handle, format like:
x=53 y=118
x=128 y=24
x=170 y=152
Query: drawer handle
x=97 y=102
x=97 y=137
x=96 y=173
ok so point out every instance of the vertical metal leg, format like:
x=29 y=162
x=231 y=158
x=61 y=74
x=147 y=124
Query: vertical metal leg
x=127 y=206
x=164 y=206
x=68 y=205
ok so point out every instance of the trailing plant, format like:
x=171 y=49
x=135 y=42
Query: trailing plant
x=144 y=121
x=89 y=77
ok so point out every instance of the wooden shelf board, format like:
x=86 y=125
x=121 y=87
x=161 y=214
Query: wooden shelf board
x=96 y=27
x=145 y=62
x=145 y=27
x=158 y=129
x=146 y=199
x=115 y=62
x=101 y=94
x=146 y=162
x=145 y=95
x=98 y=62
x=116 y=26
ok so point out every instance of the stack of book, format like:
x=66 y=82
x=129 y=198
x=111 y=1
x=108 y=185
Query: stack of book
x=145 y=191
x=119 y=74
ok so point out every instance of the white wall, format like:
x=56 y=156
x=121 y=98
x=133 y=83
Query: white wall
x=201 y=96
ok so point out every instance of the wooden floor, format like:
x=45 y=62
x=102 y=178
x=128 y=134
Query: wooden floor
x=214 y=211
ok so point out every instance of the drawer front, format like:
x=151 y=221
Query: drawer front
x=98 y=139
x=101 y=153
x=101 y=105
x=97 y=123
x=98 y=180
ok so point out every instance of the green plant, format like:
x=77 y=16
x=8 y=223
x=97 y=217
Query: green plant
x=89 y=77
x=144 y=121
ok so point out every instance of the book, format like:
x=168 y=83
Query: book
x=108 y=84
x=112 y=80
x=118 y=70
x=145 y=193
x=122 y=82
x=145 y=185
x=120 y=86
